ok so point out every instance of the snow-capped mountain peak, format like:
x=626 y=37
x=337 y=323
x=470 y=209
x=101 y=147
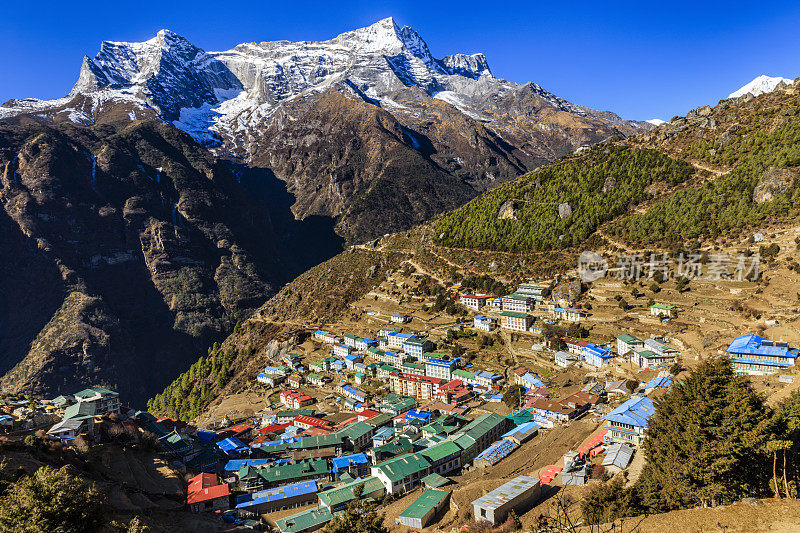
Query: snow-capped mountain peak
x=224 y=97
x=760 y=85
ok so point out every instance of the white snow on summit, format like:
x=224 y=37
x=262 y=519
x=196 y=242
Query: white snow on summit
x=656 y=121
x=760 y=85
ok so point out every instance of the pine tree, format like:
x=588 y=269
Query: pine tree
x=706 y=443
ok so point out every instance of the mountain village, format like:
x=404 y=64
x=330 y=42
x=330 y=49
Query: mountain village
x=387 y=415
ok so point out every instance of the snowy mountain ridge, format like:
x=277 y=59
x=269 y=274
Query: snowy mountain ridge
x=218 y=97
x=760 y=85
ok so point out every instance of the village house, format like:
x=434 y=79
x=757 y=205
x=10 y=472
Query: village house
x=475 y=301
x=564 y=359
x=105 y=401
x=516 y=321
x=597 y=356
x=349 y=391
x=308 y=422
x=535 y=291
x=397 y=340
x=518 y=495
x=548 y=413
x=206 y=494
x=402 y=473
x=663 y=310
x=295 y=380
x=399 y=318
x=278 y=499
x=650 y=359
x=444 y=457
x=342 y=350
x=484 y=323
x=518 y=303
x=627 y=343
x=294 y=399
x=412 y=368
x=569 y=314
x=628 y=422
x=488 y=379
x=436 y=367
x=424 y=509
x=417 y=347
x=318 y=380
x=351 y=360
x=362 y=345
x=756 y=355
x=420 y=387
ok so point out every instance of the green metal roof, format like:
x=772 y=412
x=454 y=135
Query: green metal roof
x=295 y=412
x=396 y=447
x=440 y=451
x=515 y=314
x=297 y=470
x=305 y=520
x=346 y=493
x=403 y=466
x=666 y=307
x=355 y=431
x=379 y=420
x=430 y=499
x=628 y=338
x=482 y=425
x=519 y=297
x=435 y=480
x=520 y=417
x=316 y=441
x=463 y=374
x=415 y=366
x=80 y=411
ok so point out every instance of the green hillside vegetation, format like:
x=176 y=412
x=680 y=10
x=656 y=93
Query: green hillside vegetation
x=725 y=203
x=191 y=392
x=624 y=172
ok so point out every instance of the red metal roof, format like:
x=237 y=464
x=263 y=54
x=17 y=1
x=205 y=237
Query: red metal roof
x=211 y=493
x=274 y=428
x=311 y=421
x=202 y=481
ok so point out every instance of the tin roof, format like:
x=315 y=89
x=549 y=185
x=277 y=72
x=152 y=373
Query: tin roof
x=507 y=492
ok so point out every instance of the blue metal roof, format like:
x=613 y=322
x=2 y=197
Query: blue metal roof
x=635 y=412
x=235 y=464
x=596 y=350
x=232 y=444
x=402 y=335
x=278 y=493
x=533 y=380
x=205 y=435
x=663 y=382
x=497 y=451
x=753 y=344
x=341 y=463
x=522 y=428
x=420 y=415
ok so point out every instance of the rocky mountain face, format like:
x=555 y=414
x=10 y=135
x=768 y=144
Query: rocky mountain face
x=173 y=190
x=127 y=250
x=356 y=126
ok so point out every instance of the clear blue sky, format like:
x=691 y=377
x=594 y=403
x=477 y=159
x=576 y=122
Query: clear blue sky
x=637 y=60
